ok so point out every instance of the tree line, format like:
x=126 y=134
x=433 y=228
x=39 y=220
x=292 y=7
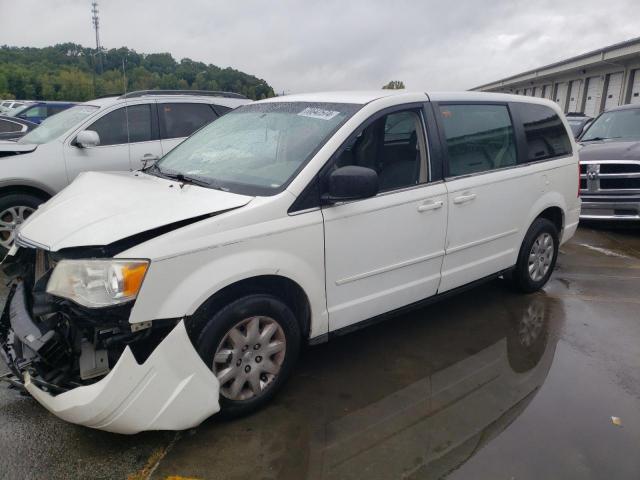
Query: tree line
x=72 y=72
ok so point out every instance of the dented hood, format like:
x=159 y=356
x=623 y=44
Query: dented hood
x=101 y=208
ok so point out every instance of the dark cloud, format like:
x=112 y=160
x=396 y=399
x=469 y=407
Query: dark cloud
x=309 y=45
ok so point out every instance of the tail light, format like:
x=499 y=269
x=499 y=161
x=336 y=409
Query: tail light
x=579 y=181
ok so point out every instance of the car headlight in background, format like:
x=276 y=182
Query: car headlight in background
x=98 y=283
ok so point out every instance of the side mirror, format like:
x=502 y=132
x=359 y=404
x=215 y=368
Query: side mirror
x=87 y=139
x=351 y=183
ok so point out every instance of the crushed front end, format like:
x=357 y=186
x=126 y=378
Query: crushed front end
x=92 y=367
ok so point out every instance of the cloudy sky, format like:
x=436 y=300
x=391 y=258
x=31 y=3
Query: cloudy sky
x=311 y=45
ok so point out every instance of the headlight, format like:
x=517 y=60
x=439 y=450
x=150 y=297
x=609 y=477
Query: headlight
x=98 y=283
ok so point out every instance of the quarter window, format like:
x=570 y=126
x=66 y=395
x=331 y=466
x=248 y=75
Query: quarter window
x=479 y=138
x=394 y=147
x=544 y=131
x=182 y=119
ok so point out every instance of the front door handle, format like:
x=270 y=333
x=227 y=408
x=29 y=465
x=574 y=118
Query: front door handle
x=425 y=207
x=467 y=197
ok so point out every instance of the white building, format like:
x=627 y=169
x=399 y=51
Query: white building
x=588 y=83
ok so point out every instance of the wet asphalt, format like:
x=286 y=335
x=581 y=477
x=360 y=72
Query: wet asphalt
x=489 y=384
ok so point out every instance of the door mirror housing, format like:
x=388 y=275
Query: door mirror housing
x=87 y=139
x=351 y=183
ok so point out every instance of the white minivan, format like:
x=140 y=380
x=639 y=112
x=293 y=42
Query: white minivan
x=154 y=299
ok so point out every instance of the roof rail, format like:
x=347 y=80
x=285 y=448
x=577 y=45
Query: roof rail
x=198 y=93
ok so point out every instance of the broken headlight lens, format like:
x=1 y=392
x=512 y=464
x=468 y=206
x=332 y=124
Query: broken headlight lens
x=98 y=283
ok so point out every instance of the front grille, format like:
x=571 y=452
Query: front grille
x=620 y=184
x=620 y=168
x=610 y=177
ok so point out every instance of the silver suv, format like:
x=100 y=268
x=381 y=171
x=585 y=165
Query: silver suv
x=115 y=133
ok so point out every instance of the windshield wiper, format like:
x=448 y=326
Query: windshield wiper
x=183 y=179
x=597 y=139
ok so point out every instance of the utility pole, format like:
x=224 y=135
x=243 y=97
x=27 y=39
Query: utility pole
x=96 y=25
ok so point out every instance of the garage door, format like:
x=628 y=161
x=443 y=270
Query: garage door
x=635 y=88
x=614 y=90
x=574 y=96
x=594 y=96
x=561 y=95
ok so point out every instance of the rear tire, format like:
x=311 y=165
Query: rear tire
x=251 y=345
x=537 y=257
x=15 y=208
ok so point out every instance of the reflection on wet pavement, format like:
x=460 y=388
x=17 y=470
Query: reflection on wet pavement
x=489 y=384
x=412 y=398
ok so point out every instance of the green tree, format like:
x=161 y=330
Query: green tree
x=69 y=71
x=394 y=85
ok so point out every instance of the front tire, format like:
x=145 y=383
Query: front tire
x=251 y=345
x=15 y=208
x=537 y=257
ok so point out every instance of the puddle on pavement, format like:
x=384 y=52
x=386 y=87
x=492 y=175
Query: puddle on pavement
x=414 y=397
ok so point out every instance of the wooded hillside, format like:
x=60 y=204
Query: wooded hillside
x=72 y=72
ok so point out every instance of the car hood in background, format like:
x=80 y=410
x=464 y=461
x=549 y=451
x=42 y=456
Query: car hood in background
x=9 y=146
x=610 y=150
x=100 y=208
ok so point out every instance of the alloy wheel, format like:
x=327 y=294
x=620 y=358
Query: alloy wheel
x=10 y=219
x=249 y=357
x=540 y=257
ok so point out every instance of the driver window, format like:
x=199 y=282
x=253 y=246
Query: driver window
x=112 y=128
x=393 y=146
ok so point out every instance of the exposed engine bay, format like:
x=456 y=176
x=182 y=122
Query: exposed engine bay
x=59 y=343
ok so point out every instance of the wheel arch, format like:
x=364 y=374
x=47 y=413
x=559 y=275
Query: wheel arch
x=551 y=206
x=25 y=188
x=556 y=216
x=281 y=287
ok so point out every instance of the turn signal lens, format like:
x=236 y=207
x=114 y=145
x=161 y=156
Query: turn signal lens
x=133 y=274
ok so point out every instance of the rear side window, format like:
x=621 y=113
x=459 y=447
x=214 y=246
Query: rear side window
x=544 y=131
x=182 y=119
x=479 y=138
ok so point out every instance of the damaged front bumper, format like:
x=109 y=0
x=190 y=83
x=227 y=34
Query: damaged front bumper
x=171 y=390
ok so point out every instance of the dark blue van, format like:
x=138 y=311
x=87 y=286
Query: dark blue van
x=36 y=112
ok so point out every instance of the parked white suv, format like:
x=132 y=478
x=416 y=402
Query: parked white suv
x=113 y=133
x=150 y=300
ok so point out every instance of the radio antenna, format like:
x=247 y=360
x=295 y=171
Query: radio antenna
x=96 y=26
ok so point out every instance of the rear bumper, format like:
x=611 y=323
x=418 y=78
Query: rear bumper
x=172 y=390
x=594 y=208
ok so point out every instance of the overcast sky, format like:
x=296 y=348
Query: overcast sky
x=331 y=44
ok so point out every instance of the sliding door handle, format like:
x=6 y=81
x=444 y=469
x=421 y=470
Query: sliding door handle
x=425 y=207
x=467 y=197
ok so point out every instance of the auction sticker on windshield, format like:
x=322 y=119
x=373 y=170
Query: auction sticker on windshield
x=318 y=113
